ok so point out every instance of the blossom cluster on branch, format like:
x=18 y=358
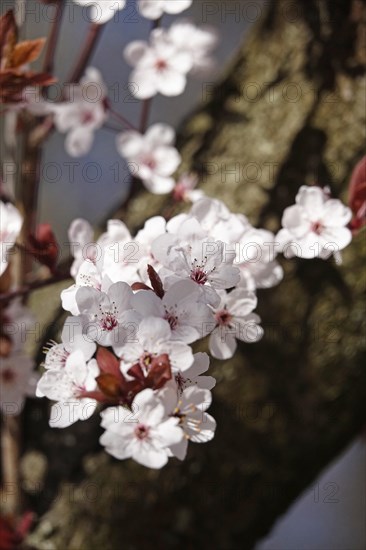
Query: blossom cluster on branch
x=139 y=303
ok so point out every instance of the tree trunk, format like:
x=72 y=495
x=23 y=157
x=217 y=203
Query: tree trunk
x=290 y=111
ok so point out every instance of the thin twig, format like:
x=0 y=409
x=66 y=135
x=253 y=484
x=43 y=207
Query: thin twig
x=86 y=53
x=26 y=289
x=121 y=118
x=53 y=38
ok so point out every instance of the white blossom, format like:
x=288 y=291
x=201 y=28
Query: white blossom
x=159 y=66
x=151 y=157
x=67 y=387
x=154 y=338
x=106 y=313
x=234 y=320
x=193 y=375
x=315 y=226
x=190 y=407
x=182 y=306
x=82 y=113
x=189 y=255
x=102 y=10
x=72 y=339
x=144 y=434
x=154 y=9
x=198 y=42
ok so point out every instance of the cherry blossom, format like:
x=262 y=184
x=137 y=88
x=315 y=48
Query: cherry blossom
x=190 y=407
x=256 y=260
x=151 y=157
x=121 y=253
x=72 y=339
x=159 y=67
x=11 y=223
x=193 y=375
x=234 y=320
x=153 y=9
x=203 y=260
x=315 y=226
x=198 y=42
x=82 y=114
x=102 y=10
x=154 y=338
x=106 y=313
x=68 y=386
x=144 y=433
x=181 y=306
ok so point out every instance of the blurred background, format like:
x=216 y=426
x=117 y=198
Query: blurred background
x=331 y=513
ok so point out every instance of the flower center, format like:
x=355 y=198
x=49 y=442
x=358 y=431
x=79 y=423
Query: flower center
x=160 y=65
x=108 y=322
x=146 y=360
x=317 y=227
x=87 y=117
x=56 y=354
x=181 y=381
x=142 y=431
x=223 y=317
x=172 y=319
x=199 y=276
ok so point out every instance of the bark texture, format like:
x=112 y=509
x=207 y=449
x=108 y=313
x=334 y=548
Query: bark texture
x=290 y=111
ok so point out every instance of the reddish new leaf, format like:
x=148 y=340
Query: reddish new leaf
x=110 y=385
x=156 y=282
x=357 y=195
x=108 y=362
x=140 y=286
x=159 y=372
x=26 y=52
x=14 y=57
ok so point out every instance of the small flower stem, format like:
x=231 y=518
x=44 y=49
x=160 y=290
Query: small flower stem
x=121 y=118
x=53 y=37
x=90 y=44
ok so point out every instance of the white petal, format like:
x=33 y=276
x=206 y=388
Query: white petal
x=78 y=142
x=222 y=344
x=134 y=52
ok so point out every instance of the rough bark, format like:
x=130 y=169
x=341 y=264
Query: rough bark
x=286 y=406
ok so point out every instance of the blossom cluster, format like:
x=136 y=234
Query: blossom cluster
x=139 y=303
x=160 y=66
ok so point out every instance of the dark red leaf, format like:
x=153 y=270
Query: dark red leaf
x=108 y=362
x=110 y=385
x=140 y=286
x=159 y=372
x=156 y=282
x=137 y=372
x=357 y=195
